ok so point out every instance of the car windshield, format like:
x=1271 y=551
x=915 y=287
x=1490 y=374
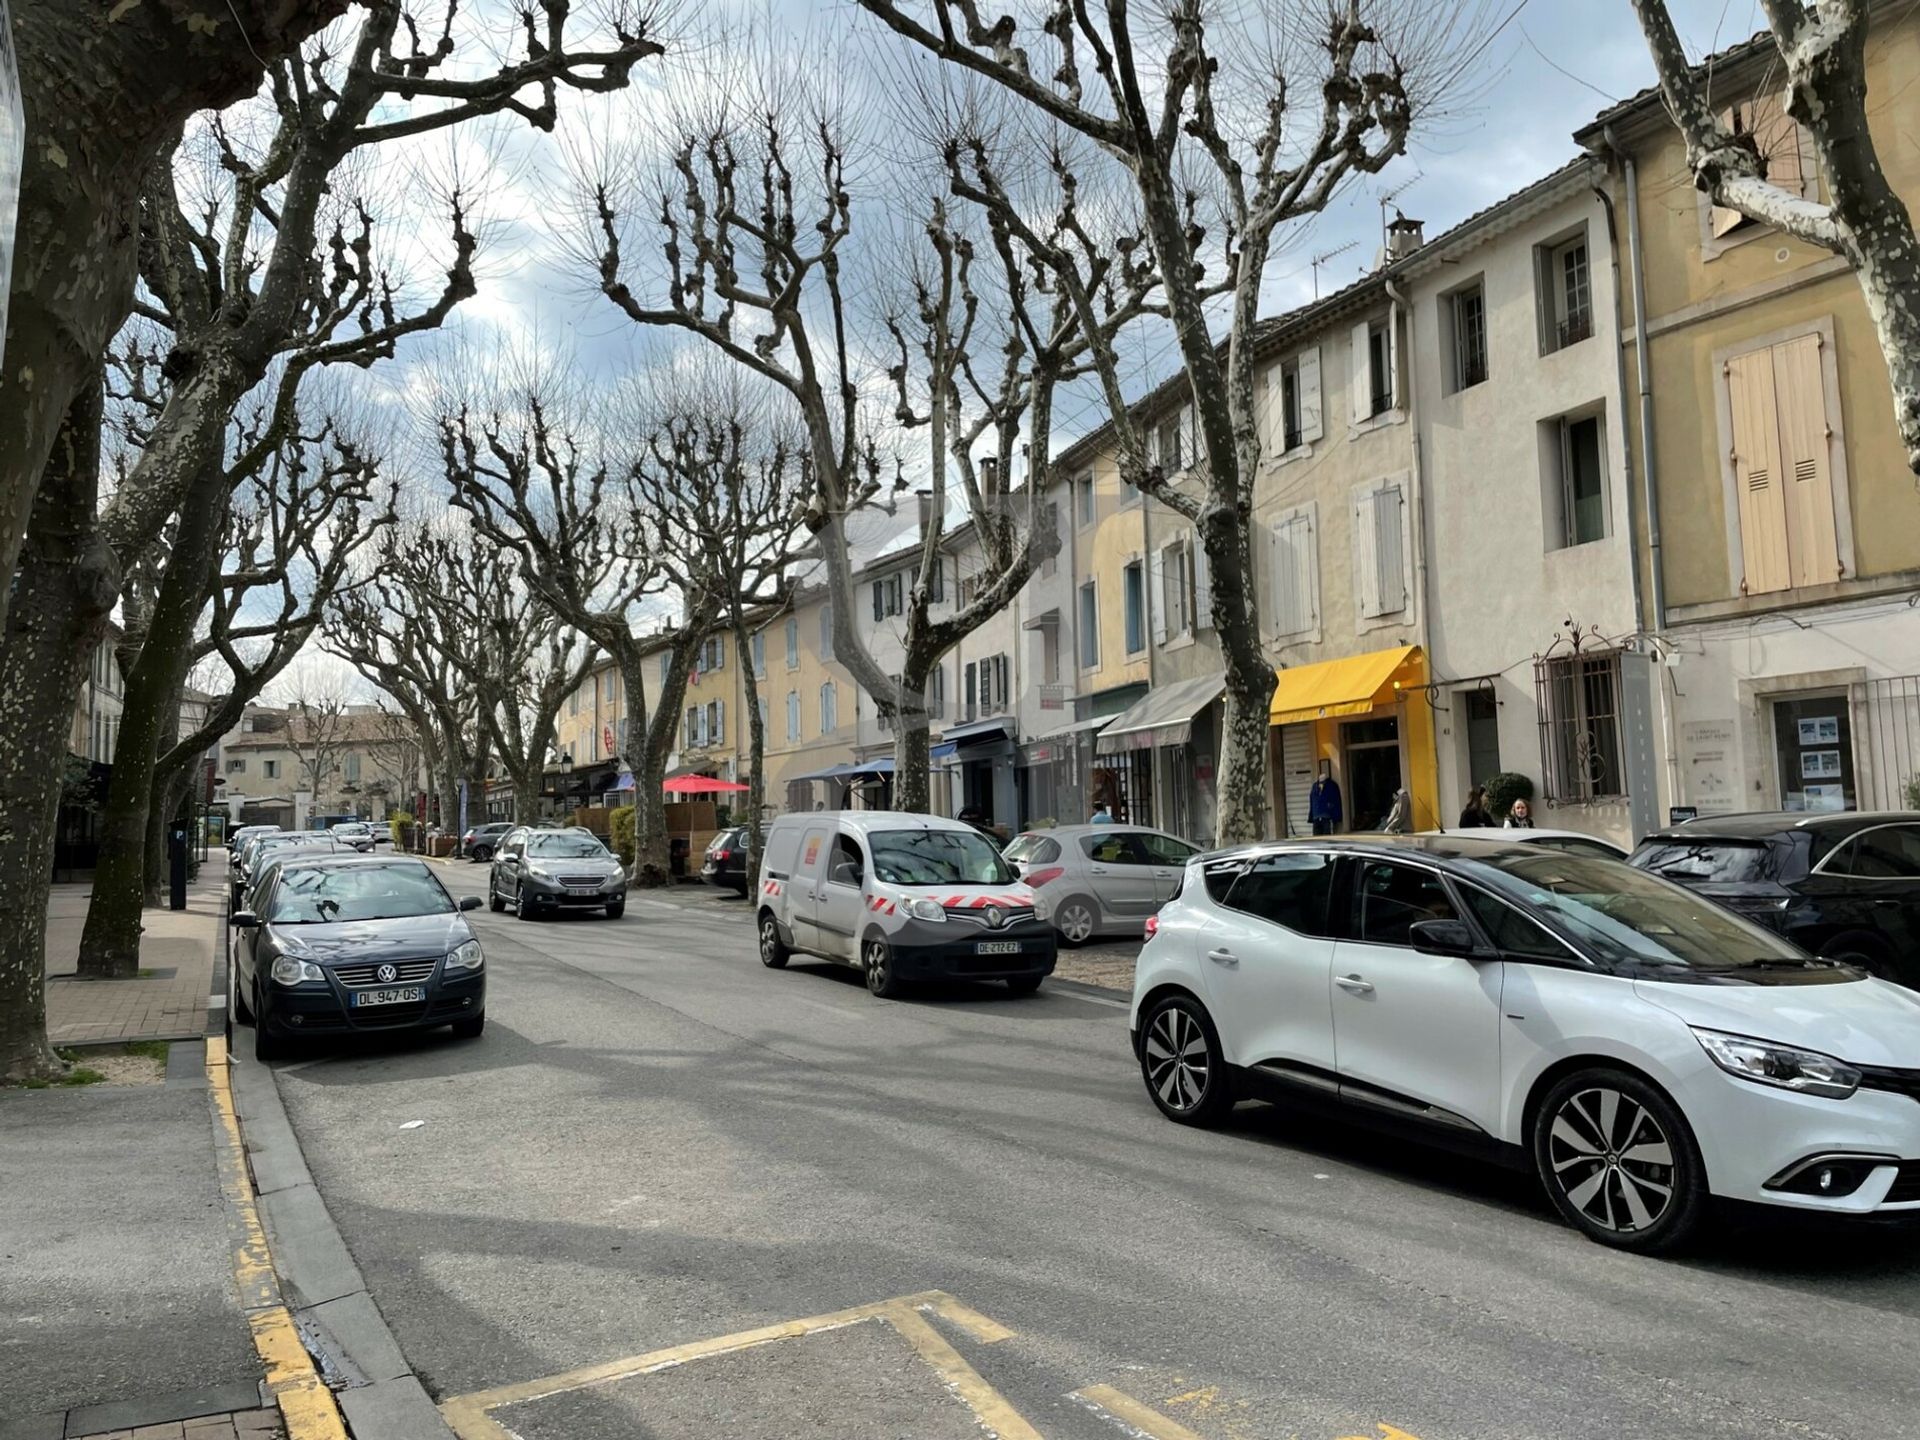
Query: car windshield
x=331 y=894
x=565 y=847
x=937 y=857
x=1706 y=861
x=1624 y=916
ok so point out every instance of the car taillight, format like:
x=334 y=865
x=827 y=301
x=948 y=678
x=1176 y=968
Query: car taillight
x=723 y=854
x=1153 y=926
x=1041 y=877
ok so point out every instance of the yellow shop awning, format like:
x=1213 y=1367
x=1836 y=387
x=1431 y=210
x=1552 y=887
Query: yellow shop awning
x=1351 y=686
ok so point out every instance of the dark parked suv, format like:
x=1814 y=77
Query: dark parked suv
x=726 y=861
x=1843 y=886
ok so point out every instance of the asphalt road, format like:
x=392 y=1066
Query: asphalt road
x=659 y=1143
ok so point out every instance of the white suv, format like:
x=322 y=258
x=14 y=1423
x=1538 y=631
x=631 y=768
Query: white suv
x=1639 y=1048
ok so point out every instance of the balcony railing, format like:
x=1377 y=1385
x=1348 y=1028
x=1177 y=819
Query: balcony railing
x=1575 y=328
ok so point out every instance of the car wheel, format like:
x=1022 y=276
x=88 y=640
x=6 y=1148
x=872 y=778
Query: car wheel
x=494 y=902
x=482 y=854
x=266 y=1046
x=616 y=910
x=1076 y=920
x=523 y=906
x=1619 y=1161
x=469 y=1029
x=773 y=950
x=1181 y=1061
x=1024 y=984
x=876 y=961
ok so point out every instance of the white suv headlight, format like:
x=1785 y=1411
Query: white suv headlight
x=466 y=956
x=1806 y=1071
x=926 y=910
x=289 y=971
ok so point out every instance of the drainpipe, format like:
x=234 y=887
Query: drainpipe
x=1644 y=361
x=1419 y=505
x=1650 y=484
x=1620 y=382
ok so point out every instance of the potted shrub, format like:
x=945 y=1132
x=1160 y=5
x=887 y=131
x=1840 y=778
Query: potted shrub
x=1505 y=788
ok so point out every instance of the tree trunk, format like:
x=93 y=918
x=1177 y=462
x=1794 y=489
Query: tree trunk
x=1241 y=779
x=526 y=799
x=652 y=847
x=105 y=90
x=171 y=786
x=756 y=744
x=66 y=586
x=110 y=944
x=912 y=780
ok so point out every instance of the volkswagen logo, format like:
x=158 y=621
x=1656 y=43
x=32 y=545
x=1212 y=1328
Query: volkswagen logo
x=386 y=974
x=996 y=917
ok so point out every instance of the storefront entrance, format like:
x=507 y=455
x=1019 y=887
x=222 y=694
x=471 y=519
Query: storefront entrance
x=1372 y=751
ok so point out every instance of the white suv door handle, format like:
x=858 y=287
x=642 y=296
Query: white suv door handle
x=1353 y=983
x=1223 y=957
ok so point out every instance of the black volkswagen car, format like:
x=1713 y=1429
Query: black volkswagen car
x=1844 y=886
x=345 y=944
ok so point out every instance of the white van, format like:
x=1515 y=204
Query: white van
x=904 y=897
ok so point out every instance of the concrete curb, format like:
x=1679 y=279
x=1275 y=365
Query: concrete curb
x=324 y=1290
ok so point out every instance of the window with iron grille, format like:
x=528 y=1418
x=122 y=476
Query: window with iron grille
x=1581 y=756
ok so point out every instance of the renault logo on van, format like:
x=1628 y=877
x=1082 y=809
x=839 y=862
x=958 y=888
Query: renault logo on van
x=996 y=917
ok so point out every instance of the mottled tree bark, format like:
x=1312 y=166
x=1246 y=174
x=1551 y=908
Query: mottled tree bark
x=149 y=722
x=67 y=581
x=105 y=89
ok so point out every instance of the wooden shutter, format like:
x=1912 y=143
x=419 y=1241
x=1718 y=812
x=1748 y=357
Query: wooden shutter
x=719 y=722
x=1309 y=383
x=1295 y=586
x=1360 y=378
x=1389 y=549
x=1756 y=473
x=1366 y=569
x=1806 y=475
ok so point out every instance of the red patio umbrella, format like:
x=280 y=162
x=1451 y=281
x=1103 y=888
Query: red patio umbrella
x=701 y=785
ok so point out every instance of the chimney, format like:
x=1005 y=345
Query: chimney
x=1404 y=236
x=924 y=497
x=989 y=473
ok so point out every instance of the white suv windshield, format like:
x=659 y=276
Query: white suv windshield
x=937 y=857
x=1623 y=915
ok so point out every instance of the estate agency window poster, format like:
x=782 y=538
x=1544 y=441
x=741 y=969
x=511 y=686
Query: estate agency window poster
x=1813 y=751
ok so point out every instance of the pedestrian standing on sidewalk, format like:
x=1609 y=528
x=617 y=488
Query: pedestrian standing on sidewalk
x=1101 y=814
x=1324 y=810
x=1474 y=815
x=1520 y=817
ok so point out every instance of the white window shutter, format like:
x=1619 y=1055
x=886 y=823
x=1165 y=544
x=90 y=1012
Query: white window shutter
x=1389 y=531
x=1360 y=376
x=1157 y=596
x=1310 y=426
x=1393 y=361
x=1202 y=586
x=1273 y=430
x=719 y=722
x=1276 y=575
x=1366 y=564
x=719 y=653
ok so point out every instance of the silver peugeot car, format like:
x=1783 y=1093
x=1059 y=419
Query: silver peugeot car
x=545 y=871
x=1101 y=879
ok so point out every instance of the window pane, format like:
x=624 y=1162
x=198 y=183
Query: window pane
x=1107 y=848
x=1165 y=850
x=1135 y=595
x=1586 y=483
x=1511 y=932
x=1393 y=897
x=1291 y=890
x=1889 y=854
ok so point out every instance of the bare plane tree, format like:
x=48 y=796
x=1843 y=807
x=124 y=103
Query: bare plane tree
x=1223 y=143
x=756 y=225
x=1863 y=220
x=593 y=552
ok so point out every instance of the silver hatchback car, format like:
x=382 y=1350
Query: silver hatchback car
x=1101 y=879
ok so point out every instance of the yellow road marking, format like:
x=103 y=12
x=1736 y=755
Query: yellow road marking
x=306 y=1404
x=1387 y=1432
x=469 y=1418
x=1148 y=1424
x=989 y=1406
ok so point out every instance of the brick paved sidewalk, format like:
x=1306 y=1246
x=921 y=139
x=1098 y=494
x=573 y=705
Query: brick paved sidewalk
x=181 y=948
x=240 y=1425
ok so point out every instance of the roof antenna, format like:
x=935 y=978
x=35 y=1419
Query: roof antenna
x=1325 y=255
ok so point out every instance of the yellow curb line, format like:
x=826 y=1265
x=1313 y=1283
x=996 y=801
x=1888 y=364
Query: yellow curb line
x=306 y=1404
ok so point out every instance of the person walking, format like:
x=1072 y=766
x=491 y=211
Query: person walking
x=1474 y=815
x=1520 y=816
